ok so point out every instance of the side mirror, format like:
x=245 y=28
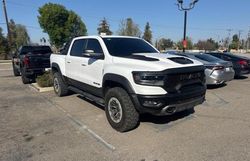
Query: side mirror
x=92 y=54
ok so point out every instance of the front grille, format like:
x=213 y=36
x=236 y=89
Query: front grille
x=182 y=83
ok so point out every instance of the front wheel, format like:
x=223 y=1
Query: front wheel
x=120 y=110
x=60 y=87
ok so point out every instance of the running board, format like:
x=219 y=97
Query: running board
x=91 y=97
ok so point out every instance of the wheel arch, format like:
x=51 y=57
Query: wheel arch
x=114 y=80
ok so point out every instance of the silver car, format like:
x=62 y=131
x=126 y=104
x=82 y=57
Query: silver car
x=217 y=71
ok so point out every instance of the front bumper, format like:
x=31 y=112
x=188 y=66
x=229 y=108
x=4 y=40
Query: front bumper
x=168 y=104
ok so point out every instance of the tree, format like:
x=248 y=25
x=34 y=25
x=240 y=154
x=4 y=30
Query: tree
x=129 y=28
x=147 y=33
x=189 y=44
x=19 y=36
x=164 y=44
x=104 y=27
x=60 y=24
x=235 y=42
x=3 y=45
x=208 y=44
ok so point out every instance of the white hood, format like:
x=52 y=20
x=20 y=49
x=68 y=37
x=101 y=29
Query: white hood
x=162 y=63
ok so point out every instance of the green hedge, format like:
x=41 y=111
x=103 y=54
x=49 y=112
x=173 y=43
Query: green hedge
x=45 y=80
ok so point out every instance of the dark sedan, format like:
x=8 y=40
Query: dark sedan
x=241 y=64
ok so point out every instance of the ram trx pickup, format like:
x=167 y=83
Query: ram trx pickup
x=31 y=61
x=128 y=76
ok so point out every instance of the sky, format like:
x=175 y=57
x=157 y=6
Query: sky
x=208 y=19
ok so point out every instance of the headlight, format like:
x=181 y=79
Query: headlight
x=149 y=78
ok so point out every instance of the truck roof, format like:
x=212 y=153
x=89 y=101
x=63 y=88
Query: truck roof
x=107 y=36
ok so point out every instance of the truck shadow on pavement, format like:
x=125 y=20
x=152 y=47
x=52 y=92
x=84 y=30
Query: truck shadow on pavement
x=216 y=86
x=166 y=119
x=240 y=77
x=148 y=118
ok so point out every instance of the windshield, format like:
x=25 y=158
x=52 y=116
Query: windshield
x=36 y=50
x=208 y=58
x=127 y=46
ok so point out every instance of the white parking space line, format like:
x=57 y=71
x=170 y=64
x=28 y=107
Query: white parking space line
x=5 y=69
x=82 y=127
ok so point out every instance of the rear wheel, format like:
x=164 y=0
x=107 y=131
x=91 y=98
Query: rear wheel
x=25 y=79
x=15 y=70
x=60 y=87
x=120 y=110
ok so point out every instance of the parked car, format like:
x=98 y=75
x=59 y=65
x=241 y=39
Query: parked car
x=31 y=61
x=217 y=71
x=128 y=76
x=241 y=64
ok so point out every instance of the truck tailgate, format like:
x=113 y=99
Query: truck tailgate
x=39 y=60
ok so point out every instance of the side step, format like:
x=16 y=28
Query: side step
x=91 y=97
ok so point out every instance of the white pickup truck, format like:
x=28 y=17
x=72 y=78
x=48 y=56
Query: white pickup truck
x=128 y=76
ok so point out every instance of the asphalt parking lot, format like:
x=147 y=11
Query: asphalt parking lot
x=41 y=126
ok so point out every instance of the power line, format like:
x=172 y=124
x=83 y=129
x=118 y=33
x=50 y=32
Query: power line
x=20 y=4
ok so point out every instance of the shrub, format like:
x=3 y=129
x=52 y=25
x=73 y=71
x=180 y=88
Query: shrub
x=45 y=80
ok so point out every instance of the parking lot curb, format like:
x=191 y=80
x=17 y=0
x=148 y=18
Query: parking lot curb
x=5 y=61
x=40 y=89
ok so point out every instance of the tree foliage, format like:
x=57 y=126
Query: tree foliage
x=3 y=45
x=147 y=33
x=19 y=36
x=104 y=27
x=129 y=28
x=60 y=24
x=235 y=44
x=164 y=44
x=189 y=44
x=208 y=45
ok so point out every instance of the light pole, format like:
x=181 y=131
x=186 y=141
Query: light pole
x=185 y=9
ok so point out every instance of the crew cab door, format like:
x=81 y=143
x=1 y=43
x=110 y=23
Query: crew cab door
x=93 y=69
x=84 y=71
x=75 y=60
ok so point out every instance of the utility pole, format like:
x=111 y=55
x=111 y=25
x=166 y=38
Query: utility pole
x=185 y=9
x=7 y=23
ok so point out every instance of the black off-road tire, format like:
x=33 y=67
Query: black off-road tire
x=62 y=88
x=15 y=71
x=130 y=117
x=25 y=79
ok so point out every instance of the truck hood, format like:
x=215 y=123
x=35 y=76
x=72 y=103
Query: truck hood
x=155 y=61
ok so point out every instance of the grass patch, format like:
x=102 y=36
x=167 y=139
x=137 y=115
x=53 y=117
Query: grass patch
x=45 y=80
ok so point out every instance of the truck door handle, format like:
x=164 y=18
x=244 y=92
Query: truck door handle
x=84 y=65
x=69 y=62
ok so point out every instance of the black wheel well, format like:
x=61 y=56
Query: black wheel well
x=111 y=84
x=54 y=70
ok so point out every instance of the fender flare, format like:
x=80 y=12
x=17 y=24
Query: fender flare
x=118 y=79
x=56 y=66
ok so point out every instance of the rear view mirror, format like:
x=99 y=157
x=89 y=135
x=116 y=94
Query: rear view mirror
x=89 y=51
x=92 y=54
